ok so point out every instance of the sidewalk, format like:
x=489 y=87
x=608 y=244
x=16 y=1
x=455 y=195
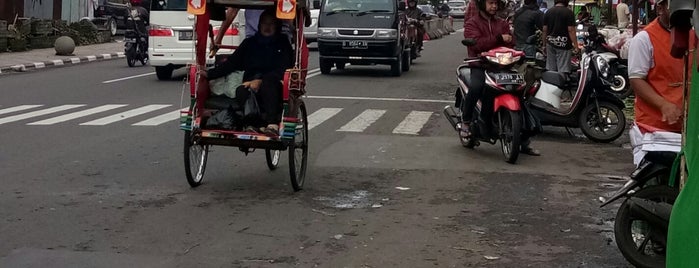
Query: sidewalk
x=43 y=58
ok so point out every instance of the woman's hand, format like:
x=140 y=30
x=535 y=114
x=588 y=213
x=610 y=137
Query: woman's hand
x=254 y=84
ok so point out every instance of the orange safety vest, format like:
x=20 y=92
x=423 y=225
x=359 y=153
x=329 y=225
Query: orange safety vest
x=665 y=77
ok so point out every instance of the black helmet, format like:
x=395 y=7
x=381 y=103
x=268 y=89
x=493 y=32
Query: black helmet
x=480 y=4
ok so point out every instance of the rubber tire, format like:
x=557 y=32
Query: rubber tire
x=515 y=121
x=112 y=26
x=325 y=66
x=624 y=240
x=143 y=58
x=164 y=72
x=270 y=161
x=626 y=92
x=191 y=178
x=340 y=65
x=297 y=180
x=131 y=55
x=405 y=64
x=590 y=133
x=396 y=66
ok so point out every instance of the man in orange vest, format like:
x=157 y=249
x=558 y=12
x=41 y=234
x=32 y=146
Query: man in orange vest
x=656 y=79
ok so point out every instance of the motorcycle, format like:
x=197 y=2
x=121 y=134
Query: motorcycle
x=594 y=109
x=135 y=41
x=413 y=35
x=507 y=85
x=619 y=70
x=641 y=223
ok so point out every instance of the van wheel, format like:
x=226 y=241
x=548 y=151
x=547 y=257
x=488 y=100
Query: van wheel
x=112 y=26
x=325 y=66
x=396 y=68
x=164 y=72
x=406 y=61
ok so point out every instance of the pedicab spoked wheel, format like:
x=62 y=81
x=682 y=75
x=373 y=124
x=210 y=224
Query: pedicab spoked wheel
x=272 y=158
x=298 y=149
x=195 y=156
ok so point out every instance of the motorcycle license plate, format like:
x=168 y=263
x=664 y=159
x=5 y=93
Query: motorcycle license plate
x=130 y=40
x=355 y=44
x=508 y=78
x=186 y=35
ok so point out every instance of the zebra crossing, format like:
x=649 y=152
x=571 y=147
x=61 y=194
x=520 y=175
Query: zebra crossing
x=412 y=123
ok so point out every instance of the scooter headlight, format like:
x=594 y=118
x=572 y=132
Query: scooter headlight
x=602 y=66
x=503 y=58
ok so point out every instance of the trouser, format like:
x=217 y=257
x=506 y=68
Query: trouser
x=558 y=60
x=269 y=99
x=529 y=50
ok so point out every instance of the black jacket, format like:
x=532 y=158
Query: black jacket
x=257 y=59
x=527 y=20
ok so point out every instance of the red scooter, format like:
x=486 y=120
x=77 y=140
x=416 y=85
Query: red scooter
x=502 y=80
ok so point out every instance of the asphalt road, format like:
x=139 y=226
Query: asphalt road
x=91 y=168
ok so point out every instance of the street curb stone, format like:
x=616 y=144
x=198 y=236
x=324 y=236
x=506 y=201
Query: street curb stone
x=56 y=63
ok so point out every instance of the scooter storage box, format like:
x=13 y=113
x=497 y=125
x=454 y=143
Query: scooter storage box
x=550 y=94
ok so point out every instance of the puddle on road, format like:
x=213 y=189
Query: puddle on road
x=356 y=199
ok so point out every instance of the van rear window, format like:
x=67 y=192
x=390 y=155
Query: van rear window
x=176 y=5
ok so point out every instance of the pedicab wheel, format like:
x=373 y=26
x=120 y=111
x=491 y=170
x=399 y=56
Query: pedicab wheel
x=298 y=149
x=510 y=139
x=195 y=156
x=272 y=158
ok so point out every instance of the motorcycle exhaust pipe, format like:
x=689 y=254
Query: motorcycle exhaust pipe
x=453 y=119
x=656 y=213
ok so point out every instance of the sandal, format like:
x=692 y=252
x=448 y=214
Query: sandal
x=271 y=129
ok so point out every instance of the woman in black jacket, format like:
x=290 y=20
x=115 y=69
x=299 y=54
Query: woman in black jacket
x=263 y=58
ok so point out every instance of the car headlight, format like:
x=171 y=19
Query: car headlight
x=322 y=32
x=602 y=66
x=503 y=58
x=386 y=33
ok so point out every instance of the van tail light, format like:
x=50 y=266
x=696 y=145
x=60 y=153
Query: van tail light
x=230 y=32
x=157 y=30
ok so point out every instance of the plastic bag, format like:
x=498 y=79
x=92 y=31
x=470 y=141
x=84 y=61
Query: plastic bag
x=227 y=85
x=252 y=109
x=222 y=119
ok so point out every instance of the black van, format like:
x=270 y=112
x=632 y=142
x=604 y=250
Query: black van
x=363 y=32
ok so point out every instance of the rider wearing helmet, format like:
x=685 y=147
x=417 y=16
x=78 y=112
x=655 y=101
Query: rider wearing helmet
x=415 y=13
x=490 y=32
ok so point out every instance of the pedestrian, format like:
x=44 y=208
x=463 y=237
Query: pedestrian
x=544 y=7
x=527 y=20
x=622 y=14
x=656 y=79
x=559 y=37
x=583 y=15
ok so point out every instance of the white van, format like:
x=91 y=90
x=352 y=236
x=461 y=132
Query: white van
x=170 y=37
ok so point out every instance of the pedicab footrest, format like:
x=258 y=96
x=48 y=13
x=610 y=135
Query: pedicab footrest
x=288 y=131
x=185 y=119
x=225 y=134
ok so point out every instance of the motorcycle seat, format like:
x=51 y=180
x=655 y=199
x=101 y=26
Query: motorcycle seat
x=465 y=75
x=554 y=78
x=218 y=102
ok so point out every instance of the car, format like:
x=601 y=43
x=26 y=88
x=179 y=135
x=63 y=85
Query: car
x=458 y=8
x=311 y=32
x=113 y=14
x=428 y=11
x=171 y=36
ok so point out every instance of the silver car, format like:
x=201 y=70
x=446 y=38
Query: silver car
x=458 y=8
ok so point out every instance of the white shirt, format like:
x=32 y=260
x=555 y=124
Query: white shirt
x=622 y=13
x=640 y=56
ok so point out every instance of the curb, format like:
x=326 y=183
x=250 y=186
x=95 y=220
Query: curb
x=56 y=63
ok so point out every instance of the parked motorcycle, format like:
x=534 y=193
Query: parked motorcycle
x=594 y=109
x=619 y=70
x=508 y=86
x=135 y=41
x=641 y=224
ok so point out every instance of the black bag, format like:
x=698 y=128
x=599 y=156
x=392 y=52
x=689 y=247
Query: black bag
x=251 y=111
x=223 y=119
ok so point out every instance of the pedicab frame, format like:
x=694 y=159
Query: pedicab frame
x=293 y=131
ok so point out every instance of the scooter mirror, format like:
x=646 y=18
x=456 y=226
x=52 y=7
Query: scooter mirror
x=468 y=42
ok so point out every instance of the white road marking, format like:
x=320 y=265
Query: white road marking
x=363 y=121
x=461 y=30
x=314 y=74
x=171 y=116
x=39 y=113
x=321 y=115
x=106 y=56
x=75 y=60
x=18 y=108
x=76 y=115
x=377 y=99
x=39 y=65
x=413 y=123
x=121 y=54
x=57 y=62
x=127 y=78
x=121 y=116
x=91 y=58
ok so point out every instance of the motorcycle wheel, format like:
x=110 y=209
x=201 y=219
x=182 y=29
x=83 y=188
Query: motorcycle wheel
x=605 y=125
x=131 y=56
x=620 y=86
x=143 y=56
x=510 y=137
x=636 y=247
